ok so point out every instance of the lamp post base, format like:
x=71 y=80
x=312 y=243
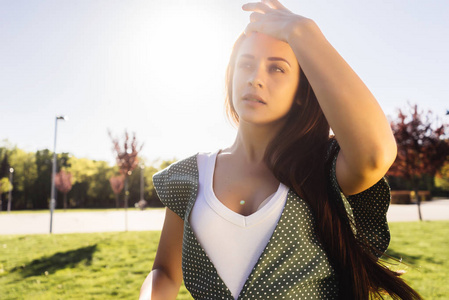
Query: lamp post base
x=52 y=208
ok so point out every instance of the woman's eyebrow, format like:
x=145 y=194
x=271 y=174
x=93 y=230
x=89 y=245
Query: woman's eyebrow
x=247 y=56
x=274 y=58
x=279 y=58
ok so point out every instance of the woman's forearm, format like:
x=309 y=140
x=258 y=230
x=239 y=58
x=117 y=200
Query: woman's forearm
x=353 y=113
x=158 y=286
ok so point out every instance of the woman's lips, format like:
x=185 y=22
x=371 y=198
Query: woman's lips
x=253 y=98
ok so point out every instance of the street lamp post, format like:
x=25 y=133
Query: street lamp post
x=11 y=170
x=52 y=198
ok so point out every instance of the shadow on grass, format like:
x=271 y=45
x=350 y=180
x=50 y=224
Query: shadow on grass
x=401 y=256
x=57 y=261
x=412 y=260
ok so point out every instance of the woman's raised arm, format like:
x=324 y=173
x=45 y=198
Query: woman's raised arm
x=368 y=147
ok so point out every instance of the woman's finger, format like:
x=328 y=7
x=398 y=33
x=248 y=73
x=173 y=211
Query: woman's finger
x=256 y=7
x=250 y=28
x=255 y=16
x=255 y=27
x=275 y=4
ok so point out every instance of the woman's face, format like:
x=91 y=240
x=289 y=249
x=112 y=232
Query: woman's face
x=265 y=79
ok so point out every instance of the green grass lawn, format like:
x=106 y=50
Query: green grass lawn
x=424 y=249
x=114 y=265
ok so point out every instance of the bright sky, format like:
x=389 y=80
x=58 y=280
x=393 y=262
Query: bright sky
x=157 y=68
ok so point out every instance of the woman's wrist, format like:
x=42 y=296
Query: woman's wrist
x=306 y=40
x=300 y=29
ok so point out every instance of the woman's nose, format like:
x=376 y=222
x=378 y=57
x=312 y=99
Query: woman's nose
x=256 y=79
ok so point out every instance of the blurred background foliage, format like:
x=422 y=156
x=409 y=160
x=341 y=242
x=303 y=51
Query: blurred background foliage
x=90 y=179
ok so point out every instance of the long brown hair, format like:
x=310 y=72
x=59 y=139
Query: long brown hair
x=297 y=158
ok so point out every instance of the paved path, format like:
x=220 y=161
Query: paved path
x=152 y=219
x=430 y=211
x=71 y=222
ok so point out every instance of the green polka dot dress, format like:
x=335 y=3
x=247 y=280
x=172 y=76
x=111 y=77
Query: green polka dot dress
x=293 y=265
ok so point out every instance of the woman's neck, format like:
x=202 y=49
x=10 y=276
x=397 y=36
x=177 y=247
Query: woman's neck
x=252 y=141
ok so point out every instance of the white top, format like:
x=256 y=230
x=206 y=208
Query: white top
x=232 y=242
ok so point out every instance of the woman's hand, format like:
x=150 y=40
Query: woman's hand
x=272 y=18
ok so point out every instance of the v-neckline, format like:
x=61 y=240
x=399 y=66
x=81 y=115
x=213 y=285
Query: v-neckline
x=276 y=199
x=230 y=214
x=189 y=227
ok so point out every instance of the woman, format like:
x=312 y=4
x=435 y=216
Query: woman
x=286 y=212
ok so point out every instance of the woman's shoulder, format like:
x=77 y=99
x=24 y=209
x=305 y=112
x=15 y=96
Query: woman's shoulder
x=176 y=183
x=204 y=157
x=187 y=165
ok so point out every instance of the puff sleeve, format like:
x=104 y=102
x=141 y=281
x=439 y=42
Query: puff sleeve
x=367 y=210
x=177 y=185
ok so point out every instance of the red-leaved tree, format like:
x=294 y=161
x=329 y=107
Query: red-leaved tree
x=422 y=147
x=63 y=182
x=126 y=153
x=117 y=184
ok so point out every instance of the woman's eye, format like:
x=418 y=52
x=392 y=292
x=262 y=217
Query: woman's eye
x=244 y=65
x=277 y=69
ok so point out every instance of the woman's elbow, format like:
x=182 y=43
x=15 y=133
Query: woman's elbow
x=383 y=157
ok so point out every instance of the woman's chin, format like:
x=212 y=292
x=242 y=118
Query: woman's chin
x=262 y=121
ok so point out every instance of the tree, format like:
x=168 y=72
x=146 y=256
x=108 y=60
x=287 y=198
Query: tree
x=90 y=180
x=99 y=188
x=63 y=182
x=422 y=149
x=5 y=186
x=41 y=186
x=442 y=178
x=25 y=174
x=127 y=160
x=82 y=169
x=117 y=183
x=4 y=171
x=4 y=166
